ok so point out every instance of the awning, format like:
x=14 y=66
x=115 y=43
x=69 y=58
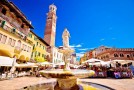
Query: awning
x=6 y=61
x=28 y=65
x=93 y=60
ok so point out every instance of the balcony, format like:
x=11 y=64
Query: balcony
x=16 y=32
x=14 y=23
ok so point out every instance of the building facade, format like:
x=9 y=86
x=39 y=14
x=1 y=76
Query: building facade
x=39 y=47
x=50 y=34
x=111 y=53
x=73 y=59
x=14 y=28
x=56 y=56
x=83 y=58
x=107 y=54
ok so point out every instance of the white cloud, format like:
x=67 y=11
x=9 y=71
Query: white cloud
x=83 y=49
x=76 y=46
x=79 y=55
x=102 y=39
x=82 y=52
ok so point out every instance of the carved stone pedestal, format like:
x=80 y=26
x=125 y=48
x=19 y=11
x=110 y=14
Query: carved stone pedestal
x=67 y=84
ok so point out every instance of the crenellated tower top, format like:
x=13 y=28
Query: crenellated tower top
x=52 y=8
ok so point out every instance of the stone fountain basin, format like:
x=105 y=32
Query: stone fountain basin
x=59 y=73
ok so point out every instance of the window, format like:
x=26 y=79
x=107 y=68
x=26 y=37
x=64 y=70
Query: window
x=32 y=54
x=28 y=49
x=13 y=30
x=33 y=46
x=35 y=38
x=107 y=56
x=42 y=55
x=22 y=26
x=25 y=48
x=35 y=53
x=19 y=44
x=9 y=41
x=0 y=36
x=57 y=55
x=37 y=43
x=13 y=42
x=30 y=35
x=128 y=56
x=121 y=55
x=3 y=40
x=115 y=55
x=4 y=11
x=39 y=54
x=3 y=23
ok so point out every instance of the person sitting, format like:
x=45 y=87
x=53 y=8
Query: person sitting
x=117 y=74
x=130 y=75
x=132 y=68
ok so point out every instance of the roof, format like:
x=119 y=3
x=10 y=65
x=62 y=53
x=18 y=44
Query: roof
x=40 y=38
x=34 y=33
x=43 y=41
x=17 y=11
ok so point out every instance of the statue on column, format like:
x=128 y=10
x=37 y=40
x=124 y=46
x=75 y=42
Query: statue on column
x=67 y=51
x=65 y=37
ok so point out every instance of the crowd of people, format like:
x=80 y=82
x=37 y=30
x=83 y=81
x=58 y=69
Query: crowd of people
x=119 y=71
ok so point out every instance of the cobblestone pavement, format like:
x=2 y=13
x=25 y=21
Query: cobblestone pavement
x=17 y=83
x=117 y=84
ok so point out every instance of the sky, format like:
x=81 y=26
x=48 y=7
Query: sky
x=91 y=23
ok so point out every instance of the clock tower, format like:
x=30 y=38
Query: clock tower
x=50 y=28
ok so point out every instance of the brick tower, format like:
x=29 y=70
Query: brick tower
x=50 y=27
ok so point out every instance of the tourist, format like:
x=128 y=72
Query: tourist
x=132 y=68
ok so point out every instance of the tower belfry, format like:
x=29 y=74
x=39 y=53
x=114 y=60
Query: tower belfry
x=50 y=28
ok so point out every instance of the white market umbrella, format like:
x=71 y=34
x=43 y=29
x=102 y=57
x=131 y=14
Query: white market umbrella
x=6 y=61
x=93 y=60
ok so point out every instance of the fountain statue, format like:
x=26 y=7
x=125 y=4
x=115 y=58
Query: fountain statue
x=66 y=78
x=65 y=37
x=66 y=50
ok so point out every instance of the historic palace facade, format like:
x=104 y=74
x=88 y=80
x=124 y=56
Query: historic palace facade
x=109 y=53
x=14 y=28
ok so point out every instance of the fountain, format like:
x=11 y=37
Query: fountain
x=66 y=78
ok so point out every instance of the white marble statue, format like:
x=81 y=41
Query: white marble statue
x=65 y=37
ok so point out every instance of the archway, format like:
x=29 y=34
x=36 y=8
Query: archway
x=16 y=55
x=22 y=57
x=5 y=53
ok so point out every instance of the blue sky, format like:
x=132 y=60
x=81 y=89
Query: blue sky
x=91 y=23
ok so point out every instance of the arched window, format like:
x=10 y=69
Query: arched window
x=19 y=44
x=115 y=55
x=121 y=55
x=128 y=56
